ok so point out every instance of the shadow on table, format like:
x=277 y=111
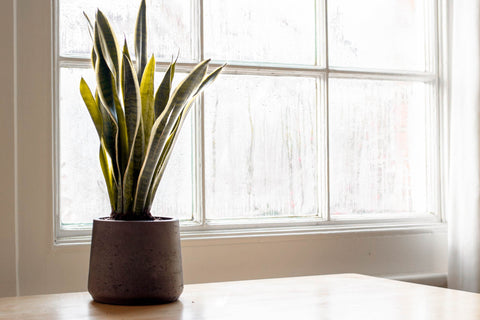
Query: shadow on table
x=169 y=311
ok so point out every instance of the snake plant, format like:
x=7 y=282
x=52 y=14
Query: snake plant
x=137 y=125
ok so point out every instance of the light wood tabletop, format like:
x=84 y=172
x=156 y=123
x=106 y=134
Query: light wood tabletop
x=342 y=296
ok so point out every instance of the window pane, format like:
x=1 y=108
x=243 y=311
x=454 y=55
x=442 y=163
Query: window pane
x=264 y=31
x=83 y=195
x=377 y=146
x=260 y=147
x=169 y=25
x=383 y=34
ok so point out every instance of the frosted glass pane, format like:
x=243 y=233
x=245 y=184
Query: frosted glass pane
x=83 y=195
x=169 y=25
x=377 y=146
x=260 y=147
x=264 y=31
x=383 y=34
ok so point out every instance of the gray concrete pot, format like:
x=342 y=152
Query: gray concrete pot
x=135 y=262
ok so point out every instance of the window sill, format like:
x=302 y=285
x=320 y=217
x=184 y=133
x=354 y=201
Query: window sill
x=192 y=233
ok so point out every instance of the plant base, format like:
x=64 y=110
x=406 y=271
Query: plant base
x=135 y=262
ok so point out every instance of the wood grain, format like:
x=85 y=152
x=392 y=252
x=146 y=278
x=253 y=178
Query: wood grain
x=343 y=296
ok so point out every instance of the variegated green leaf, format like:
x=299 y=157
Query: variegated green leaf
x=161 y=165
x=131 y=99
x=90 y=25
x=106 y=86
x=167 y=150
x=109 y=136
x=92 y=107
x=123 y=146
x=162 y=128
x=163 y=91
x=114 y=128
x=133 y=169
x=108 y=43
x=146 y=92
x=107 y=169
x=141 y=40
x=209 y=79
x=93 y=55
x=122 y=78
x=125 y=49
x=133 y=114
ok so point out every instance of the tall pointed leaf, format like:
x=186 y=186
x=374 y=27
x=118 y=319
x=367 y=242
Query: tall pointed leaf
x=162 y=163
x=133 y=114
x=131 y=98
x=162 y=128
x=146 y=91
x=106 y=86
x=109 y=136
x=107 y=169
x=141 y=40
x=133 y=169
x=167 y=150
x=209 y=79
x=92 y=107
x=90 y=25
x=123 y=146
x=114 y=137
x=108 y=43
x=93 y=55
x=163 y=91
x=125 y=49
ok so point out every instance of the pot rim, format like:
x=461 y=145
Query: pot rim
x=157 y=219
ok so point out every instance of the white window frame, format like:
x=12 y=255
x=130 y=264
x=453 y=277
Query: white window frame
x=34 y=263
x=200 y=226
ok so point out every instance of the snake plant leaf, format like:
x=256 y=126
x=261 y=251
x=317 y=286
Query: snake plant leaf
x=209 y=79
x=125 y=49
x=137 y=125
x=146 y=92
x=89 y=22
x=161 y=131
x=131 y=99
x=115 y=139
x=106 y=86
x=109 y=136
x=107 y=89
x=93 y=55
x=122 y=78
x=133 y=114
x=163 y=92
x=161 y=165
x=108 y=43
x=107 y=169
x=92 y=107
x=123 y=147
x=167 y=151
x=140 y=40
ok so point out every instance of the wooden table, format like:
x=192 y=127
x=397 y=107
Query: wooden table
x=343 y=296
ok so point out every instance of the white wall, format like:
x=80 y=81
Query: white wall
x=7 y=164
x=45 y=268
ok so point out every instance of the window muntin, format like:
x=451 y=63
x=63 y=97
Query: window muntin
x=205 y=182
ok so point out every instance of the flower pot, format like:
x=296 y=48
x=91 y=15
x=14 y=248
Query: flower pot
x=135 y=262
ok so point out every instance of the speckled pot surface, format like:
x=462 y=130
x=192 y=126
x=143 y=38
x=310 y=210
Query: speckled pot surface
x=135 y=262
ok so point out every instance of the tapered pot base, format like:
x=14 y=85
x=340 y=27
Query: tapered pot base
x=135 y=262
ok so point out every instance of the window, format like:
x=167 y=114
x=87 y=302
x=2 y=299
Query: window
x=328 y=111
